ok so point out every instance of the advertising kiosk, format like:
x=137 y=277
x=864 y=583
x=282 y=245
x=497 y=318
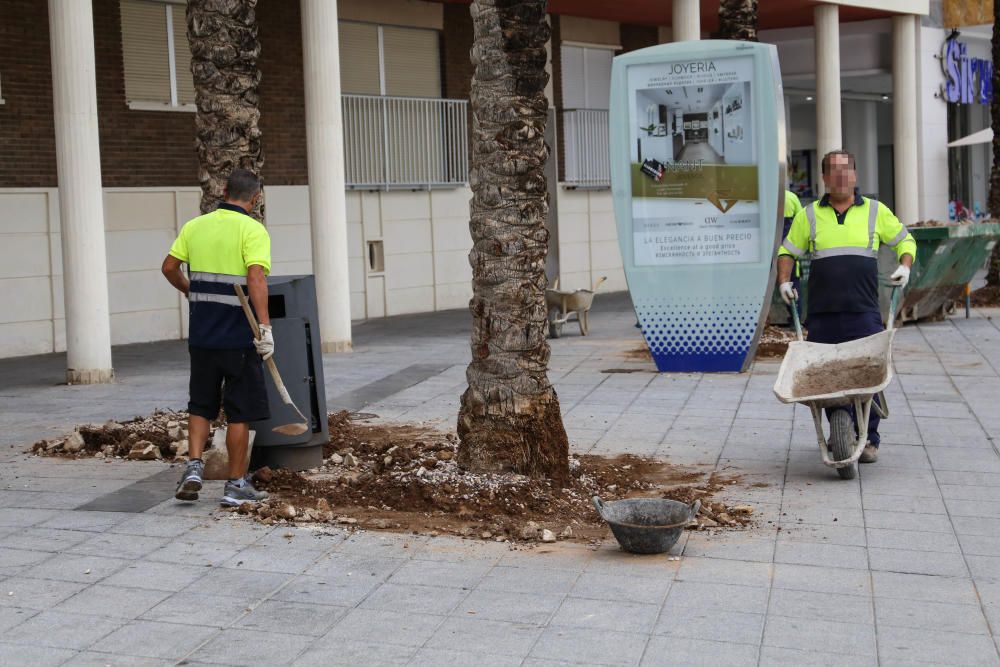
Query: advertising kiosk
x=697 y=172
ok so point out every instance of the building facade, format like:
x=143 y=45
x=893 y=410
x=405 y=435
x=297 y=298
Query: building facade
x=404 y=80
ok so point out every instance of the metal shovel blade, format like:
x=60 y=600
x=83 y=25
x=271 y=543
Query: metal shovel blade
x=291 y=429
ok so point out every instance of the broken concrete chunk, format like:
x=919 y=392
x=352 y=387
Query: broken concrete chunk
x=54 y=445
x=350 y=460
x=548 y=536
x=144 y=450
x=741 y=509
x=336 y=459
x=183 y=446
x=74 y=443
x=567 y=533
x=529 y=531
x=285 y=511
x=445 y=455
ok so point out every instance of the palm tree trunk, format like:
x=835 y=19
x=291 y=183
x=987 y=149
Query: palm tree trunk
x=224 y=50
x=738 y=20
x=509 y=419
x=993 y=273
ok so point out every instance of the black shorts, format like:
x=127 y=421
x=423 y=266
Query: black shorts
x=233 y=379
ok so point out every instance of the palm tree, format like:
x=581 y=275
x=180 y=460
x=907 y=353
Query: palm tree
x=993 y=273
x=510 y=419
x=738 y=20
x=224 y=50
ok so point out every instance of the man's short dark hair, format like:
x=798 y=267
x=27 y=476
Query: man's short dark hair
x=839 y=151
x=242 y=185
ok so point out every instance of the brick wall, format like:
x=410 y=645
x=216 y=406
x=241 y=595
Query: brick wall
x=27 y=137
x=138 y=148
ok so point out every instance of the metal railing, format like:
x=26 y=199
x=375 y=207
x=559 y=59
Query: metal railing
x=585 y=148
x=405 y=142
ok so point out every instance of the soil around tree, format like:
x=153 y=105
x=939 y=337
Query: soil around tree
x=986 y=297
x=773 y=344
x=406 y=478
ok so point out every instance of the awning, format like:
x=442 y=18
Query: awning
x=980 y=137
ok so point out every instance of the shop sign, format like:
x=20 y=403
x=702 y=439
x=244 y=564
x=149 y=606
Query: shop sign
x=696 y=171
x=967 y=80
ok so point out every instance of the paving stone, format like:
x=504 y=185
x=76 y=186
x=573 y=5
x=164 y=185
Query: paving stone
x=686 y=596
x=583 y=645
x=293 y=618
x=156 y=576
x=95 y=659
x=11 y=616
x=36 y=656
x=378 y=626
x=353 y=653
x=414 y=599
x=927 y=588
x=595 y=586
x=493 y=637
x=61 y=630
x=154 y=640
x=47 y=539
x=121 y=546
x=440 y=573
x=511 y=607
x=823 y=534
x=903 y=645
x=155 y=526
x=337 y=591
x=113 y=601
x=819 y=635
x=936 y=523
x=19 y=558
x=772 y=655
x=251 y=648
x=251 y=585
x=714 y=570
x=937 y=616
x=604 y=615
x=711 y=624
x=984 y=567
x=686 y=651
x=216 y=611
x=918 y=562
x=86 y=521
x=39 y=594
x=431 y=657
x=271 y=559
x=82 y=569
x=811 y=604
x=529 y=580
x=305 y=539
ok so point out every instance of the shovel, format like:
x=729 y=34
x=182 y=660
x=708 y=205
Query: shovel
x=286 y=429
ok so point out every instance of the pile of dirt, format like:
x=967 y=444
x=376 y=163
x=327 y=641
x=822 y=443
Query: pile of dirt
x=160 y=436
x=986 y=297
x=405 y=478
x=834 y=376
x=774 y=342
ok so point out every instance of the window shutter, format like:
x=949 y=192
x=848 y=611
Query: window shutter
x=573 y=85
x=144 y=47
x=598 y=77
x=182 y=57
x=412 y=62
x=359 y=58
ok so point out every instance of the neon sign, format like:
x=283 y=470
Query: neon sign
x=967 y=80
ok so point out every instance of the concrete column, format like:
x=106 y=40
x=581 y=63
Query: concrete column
x=861 y=139
x=828 y=137
x=325 y=156
x=81 y=199
x=904 y=116
x=687 y=20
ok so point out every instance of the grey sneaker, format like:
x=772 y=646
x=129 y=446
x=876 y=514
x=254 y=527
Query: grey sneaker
x=190 y=484
x=235 y=496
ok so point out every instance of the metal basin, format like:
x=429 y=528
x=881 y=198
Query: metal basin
x=646 y=525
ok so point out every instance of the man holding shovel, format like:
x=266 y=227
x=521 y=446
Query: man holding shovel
x=224 y=248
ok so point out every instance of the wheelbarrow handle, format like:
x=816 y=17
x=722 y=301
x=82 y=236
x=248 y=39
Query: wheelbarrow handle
x=893 y=304
x=695 y=508
x=795 y=318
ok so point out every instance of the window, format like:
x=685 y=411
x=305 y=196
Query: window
x=389 y=60
x=156 y=54
x=586 y=76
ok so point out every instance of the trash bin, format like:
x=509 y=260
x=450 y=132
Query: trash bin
x=948 y=258
x=298 y=355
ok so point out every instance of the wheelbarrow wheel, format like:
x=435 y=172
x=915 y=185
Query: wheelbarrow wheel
x=842 y=439
x=555 y=329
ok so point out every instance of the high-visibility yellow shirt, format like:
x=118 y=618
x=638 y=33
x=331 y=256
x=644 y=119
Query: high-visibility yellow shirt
x=792 y=204
x=219 y=247
x=844 y=248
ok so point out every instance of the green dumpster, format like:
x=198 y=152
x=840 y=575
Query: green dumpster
x=948 y=258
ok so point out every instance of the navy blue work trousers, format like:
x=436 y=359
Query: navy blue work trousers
x=840 y=328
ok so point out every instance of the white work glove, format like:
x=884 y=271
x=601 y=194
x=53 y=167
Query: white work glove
x=788 y=293
x=900 y=276
x=265 y=344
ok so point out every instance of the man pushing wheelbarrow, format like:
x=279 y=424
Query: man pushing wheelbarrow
x=842 y=233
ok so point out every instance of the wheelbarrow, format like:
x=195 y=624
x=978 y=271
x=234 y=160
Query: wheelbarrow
x=844 y=375
x=563 y=305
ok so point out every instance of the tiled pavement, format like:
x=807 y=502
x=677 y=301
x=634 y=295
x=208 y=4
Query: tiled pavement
x=897 y=567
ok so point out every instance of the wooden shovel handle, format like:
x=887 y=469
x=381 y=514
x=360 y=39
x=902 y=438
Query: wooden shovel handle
x=272 y=369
